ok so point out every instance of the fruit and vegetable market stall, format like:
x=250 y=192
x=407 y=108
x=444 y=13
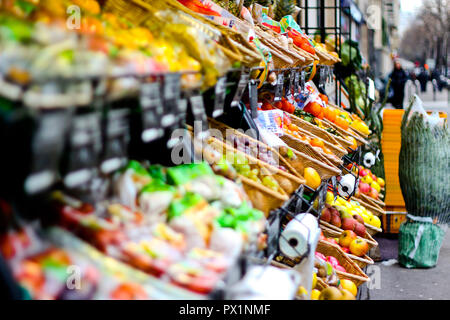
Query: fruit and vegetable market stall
x=183 y=150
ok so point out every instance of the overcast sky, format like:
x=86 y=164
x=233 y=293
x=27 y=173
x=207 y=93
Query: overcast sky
x=407 y=10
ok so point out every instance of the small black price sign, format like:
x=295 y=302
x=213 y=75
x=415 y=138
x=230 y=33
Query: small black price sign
x=240 y=89
x=198 y=112
x=171 y=95
x=291 y=82
x=322 y=77
x=47 y=148
x=253 y=91
x=219 y=101
x=152 y=111
x=279 y=87
x=85 y=147
x=296 y=83
x=115 y=141
x=302 y=80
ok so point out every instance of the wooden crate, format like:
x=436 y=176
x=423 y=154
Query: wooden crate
x=392 y=220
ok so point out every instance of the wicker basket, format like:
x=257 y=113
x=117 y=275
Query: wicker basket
x=354 y=272
x=261 y=197
x=375 y=209
x=316 y=132
x=371 y=230
x=374 y=202
x=360 y=141
x=306 y=148
x=282 y=161
x=338 y=231
x=362 y=262
x=129 y=10
x=321 y=284
x=321 y=133
x=288 y=182
x=303 y=161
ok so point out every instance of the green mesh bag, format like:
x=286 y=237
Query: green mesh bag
x=424 y=172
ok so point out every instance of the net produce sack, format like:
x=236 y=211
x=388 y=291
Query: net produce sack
x=424 y=172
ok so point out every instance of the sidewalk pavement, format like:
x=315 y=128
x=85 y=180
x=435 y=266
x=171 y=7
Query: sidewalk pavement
x=398 y=283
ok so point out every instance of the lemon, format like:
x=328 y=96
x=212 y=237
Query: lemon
x=312 y=178
x=314 y=280
x=315 y=294
x=330 y=198
x=350 y=286
x=376 y=186
x=376 y=222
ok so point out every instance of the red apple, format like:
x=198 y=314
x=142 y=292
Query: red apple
x=363 y=173
x=373 y=193
x=364 y=187
x=359 y=247
x=345 y=249
x=358 y=218
x=336 y=221
x=326 y=215
x=331 y=240
x=346 y=238
x=340 y=268
x=360 y=229
x=333 y=261
x=349 y=224
x=320 y=256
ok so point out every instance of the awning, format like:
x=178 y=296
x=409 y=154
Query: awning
x=350 y=7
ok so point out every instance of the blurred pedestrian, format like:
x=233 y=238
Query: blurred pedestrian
x=398 y=80
x=423 y=78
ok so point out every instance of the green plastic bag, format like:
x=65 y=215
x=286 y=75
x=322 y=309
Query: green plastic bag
x=419 y=244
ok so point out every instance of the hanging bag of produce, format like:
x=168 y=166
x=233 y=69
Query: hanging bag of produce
x=425 y=182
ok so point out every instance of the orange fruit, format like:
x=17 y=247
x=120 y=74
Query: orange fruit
x=316 y=142
x=354 y=146
x=312 y=178
x=342 y=123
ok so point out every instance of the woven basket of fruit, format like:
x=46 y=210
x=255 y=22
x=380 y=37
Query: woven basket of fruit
x=288 y=182
x=253 y=147
x=264 y=191
x=302 y=161
x=338 y=231
x=311 y=151
x=372 y=201
x=352 y=271
x=344 y=240
x=374 y=208
x=349 y=132
x=330 y=140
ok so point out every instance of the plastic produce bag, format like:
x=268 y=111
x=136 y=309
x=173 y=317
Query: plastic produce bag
x=419 y=244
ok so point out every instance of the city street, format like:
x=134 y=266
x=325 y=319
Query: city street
x=432 y=102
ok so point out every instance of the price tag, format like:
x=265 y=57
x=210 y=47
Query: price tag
x=302 y=81
x=273 y=227
x=322 y=77
x=291 y=83
x=47 y=147
x=199 y=113
x=279 y=87
x=115 y=141
x=84 y=149
x=371 y=89
x=152 y=111
x=296 y=83
x=219 y=101
x=240 y=90
x=171 y=95
x=253 y=92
